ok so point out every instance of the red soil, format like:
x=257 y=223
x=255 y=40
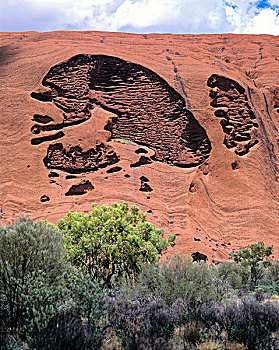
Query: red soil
x=184 y=126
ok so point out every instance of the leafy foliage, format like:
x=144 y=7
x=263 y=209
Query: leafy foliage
x=251 y=256
x=176 y=278
x=40 y=303
x=45 y=303
x=27 y=249
x=68 y=316
x=87 y=300
x=112 y=241
x=274 y=271
x=235 y=275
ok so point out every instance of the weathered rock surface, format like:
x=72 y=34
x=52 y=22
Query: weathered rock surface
x=75 y=161
x=237 y=118
x=80 y=189
x=149 y=111
x=186 y=127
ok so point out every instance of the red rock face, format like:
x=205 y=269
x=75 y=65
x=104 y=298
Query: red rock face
x=148 y=110
x=75 y=161
x=237 y=118
x=186 y=127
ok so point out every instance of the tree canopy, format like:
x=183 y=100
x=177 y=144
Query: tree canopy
x=251 y=256
x=112 y=241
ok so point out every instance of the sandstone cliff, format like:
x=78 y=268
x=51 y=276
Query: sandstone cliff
x=184 y=126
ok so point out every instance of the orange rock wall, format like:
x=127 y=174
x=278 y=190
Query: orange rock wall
x=184 y=126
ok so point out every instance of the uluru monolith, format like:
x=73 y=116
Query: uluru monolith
x=184 y=126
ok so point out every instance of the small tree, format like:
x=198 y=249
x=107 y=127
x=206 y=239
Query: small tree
x=254 y=256
x=112 y=241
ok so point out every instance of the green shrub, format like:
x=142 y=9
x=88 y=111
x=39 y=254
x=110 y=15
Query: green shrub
x=178 y=280
x=256 y=257
x=112 y=241
x=236 y=276
x=69 y=316
x=271 y=287
x=88 y=301
x=80 y=323
x=274 y=271
x=40 y=301
x=27 y=250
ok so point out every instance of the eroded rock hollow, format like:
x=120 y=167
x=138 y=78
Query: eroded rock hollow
x=148 y=110
x=237 y=118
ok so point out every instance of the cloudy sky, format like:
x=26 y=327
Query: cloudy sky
x=142 y=16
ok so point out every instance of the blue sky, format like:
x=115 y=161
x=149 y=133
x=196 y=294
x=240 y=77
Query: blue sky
x=142 y=16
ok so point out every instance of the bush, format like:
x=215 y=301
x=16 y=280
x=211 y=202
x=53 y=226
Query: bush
x=141 y=323
x=178 y=280
x=43 y=302
x=253 y=323
x=27 y=250
x=268 y=281
x=88 y=301
x=112 y=241
x=80 y=323
x=274 y=271
x=255 y=256
x=244 y=320
x=40 y=301
x=192 y=333
x=236 y=276
x=71 y=316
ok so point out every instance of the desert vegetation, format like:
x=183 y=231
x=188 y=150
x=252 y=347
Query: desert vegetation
x=102 y=281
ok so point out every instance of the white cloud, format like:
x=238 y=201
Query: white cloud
x=145 y=13
x=174 y=16
x=180 y=16
x=274 y=2
x=249 y=18
x=266 y=22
